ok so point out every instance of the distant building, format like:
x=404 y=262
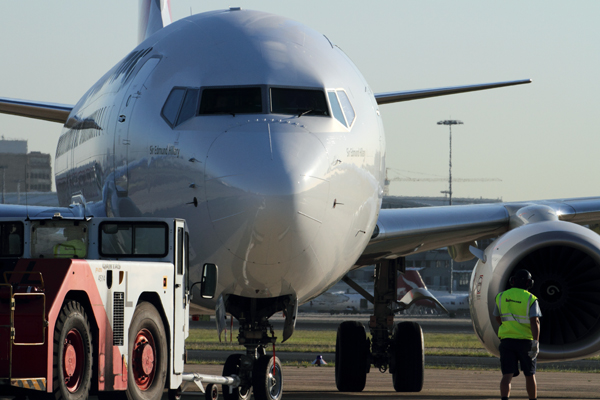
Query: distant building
x=13 y=146
x=22 y=172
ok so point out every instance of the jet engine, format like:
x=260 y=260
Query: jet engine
x=564 y=259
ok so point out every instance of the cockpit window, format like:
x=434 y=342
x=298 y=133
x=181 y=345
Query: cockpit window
x=341 y=107
x=336 y=108
x=243 y=100
x=346 y=106
x=180 y=106
x=298 y=102
x=171 y=108
x=189 y=106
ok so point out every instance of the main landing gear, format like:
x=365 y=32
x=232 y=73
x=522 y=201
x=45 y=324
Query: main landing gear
x=259 y=369
x=397 y=349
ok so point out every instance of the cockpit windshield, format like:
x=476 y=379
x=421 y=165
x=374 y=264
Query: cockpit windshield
x=182 y=103
x=240 y=100
x=298 y=102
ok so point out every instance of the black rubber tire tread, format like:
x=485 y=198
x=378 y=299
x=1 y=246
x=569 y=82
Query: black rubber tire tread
x=351 y=357
x=212 y=392
x=408 y=353
x=72 y=316
x=232 y=366
x=260 y=376
x=147 y=317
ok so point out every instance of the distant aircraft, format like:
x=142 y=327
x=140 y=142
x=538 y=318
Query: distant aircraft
x=452 y=302
x=266 y=138
x=338 y=302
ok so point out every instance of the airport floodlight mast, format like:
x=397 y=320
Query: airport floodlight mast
x=450 y=122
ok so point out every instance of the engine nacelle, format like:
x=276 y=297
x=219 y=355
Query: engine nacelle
x=564 y=259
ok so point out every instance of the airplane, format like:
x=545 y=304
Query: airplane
x=347 y=302
x=338 y=302
x=266 y=138
x=452 y=302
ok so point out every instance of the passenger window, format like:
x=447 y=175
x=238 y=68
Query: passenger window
x=346 y=106
x=171 y=108
x=188 y=109
x=246 y=100
x=335 y=107
x=298 y=102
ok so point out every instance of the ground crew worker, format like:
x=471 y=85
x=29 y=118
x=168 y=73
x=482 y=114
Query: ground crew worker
x=73 y=247
x=517 y=311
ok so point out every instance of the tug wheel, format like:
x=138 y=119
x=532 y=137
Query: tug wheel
x=147 y=369
x=72 y=355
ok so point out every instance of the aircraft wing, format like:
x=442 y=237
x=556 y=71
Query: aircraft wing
x=400 y=232
x=394 y=97
x=53 y=112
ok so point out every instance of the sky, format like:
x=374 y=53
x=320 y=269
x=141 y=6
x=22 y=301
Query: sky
x=539 y=139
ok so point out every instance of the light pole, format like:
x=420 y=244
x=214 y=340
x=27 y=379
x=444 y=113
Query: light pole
x=450 y=122
x=3 y=168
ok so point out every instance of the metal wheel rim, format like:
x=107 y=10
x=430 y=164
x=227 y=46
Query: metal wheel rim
x=144 y=355
x=274 y=382
x=73 y=352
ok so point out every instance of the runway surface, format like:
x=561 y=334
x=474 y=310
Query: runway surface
x=319 y=383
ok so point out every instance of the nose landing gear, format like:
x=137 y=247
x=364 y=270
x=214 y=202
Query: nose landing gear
x=258 y=371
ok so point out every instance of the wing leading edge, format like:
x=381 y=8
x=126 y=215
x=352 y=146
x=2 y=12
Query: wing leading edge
x=394 y=97
x=53 y=112
x=405 y=231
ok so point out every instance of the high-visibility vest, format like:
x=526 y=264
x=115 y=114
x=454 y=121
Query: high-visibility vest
x=514 y=305
x=70 y=249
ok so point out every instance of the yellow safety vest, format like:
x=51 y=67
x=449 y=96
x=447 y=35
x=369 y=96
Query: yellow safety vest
x=70 y=249
x=514 y=305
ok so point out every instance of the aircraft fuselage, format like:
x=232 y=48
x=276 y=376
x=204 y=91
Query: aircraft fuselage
x=281 y=192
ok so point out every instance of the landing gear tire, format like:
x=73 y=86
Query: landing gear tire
x=232 y=366
x=72 y=354
x=267 y=381
x=147 y=370
x=212 y=392
x=407 y=355
x=351 y=357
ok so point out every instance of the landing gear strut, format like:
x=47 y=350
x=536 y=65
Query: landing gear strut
x=398 y=349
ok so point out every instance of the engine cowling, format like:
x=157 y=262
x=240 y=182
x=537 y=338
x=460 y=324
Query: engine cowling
x=564 y=259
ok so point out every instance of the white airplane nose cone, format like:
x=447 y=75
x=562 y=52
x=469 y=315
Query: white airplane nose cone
x=268 y=205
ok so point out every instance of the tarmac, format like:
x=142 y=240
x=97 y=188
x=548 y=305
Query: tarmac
x=480 y=381
x=319 y=383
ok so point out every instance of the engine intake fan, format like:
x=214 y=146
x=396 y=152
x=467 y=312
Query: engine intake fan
x=567 y=284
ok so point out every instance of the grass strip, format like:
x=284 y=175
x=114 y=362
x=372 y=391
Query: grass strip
x=436 y=344
x=324 y=342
